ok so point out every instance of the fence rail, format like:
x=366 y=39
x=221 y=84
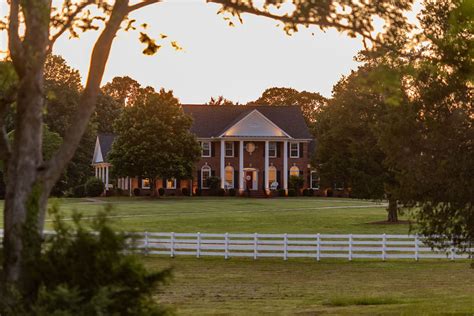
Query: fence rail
x=317 y=246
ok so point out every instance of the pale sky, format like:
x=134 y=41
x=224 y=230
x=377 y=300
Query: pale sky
x=237 y=62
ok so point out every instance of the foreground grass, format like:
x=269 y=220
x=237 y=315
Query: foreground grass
x=213 y=286
x=241 y=215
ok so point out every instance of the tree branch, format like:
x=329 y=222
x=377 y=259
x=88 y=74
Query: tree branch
x=142 y=4
x=15 y=44
x=69 y=22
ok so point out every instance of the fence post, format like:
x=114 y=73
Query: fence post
x=384 y=247
x=172 y=245
x=255 y=246
x=146 y=243
x=416 y=247
x=350 y=247
x=285 y=247
x=226 y=245
x=318 y=247
x=453 y=250
x=198 y=246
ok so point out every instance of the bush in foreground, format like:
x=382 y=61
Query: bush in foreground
x=79 y=273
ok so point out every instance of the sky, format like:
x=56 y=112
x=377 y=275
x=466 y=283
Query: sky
x=238 y=62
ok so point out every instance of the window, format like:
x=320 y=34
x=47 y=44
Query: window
x=294 y=150
x=171 y=183
x=272 y=178
x=205 y=174
x=229 y=177
x=145 y=183
x=294 y=171
x=314 y=180
x=229 y=149
x=205 y=149
x=272 y=149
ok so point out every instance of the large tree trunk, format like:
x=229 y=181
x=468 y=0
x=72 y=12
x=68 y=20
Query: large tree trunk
x=392 y=210
x=22 y=241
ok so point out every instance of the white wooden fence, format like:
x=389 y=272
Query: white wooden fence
x=316 y=246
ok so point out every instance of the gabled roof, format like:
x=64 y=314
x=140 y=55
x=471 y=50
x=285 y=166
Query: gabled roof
x=213 y=121
x=102 y=147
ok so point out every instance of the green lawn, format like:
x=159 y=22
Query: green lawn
x=242 y=215
x=304 y=287
x=214 y=286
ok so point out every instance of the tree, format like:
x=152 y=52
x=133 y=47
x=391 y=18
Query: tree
x=107 y=111
x=124 y=90
x=33 y=28
x=153 y=140
x=347 y=133
x=429 y=140
x=220 y=100
x=310 y=103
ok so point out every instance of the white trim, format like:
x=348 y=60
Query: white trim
x=202 y=149
x=276 y=149
x=205 y=168
x=298 y=150
x=98 y=157
x=311 y=180
x=174 y=184
x=263 y=116
x=222 y=163
x=267 y=147
x=241 y=166
x=148 y=186
x=285 y=166
x=225 y=144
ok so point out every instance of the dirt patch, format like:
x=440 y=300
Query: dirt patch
x=400 y=222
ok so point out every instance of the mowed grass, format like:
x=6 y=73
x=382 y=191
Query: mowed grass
x=239 y=286
x=241 y=215
x=214 y=286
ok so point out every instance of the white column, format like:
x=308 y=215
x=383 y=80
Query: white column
x=241 y=166
x=96 y=171
x=285 y=166
x=267 y=162
x=106 y=178
x=101 y=172
x=222 y=163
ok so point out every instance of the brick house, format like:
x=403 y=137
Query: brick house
x=252 y=149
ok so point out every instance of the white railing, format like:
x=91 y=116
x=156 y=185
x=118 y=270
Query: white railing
x=286 y=246
x=316 y=246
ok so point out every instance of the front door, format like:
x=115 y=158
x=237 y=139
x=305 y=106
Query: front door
x=249 y=180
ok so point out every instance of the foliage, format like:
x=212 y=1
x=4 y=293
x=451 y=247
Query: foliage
x=153 y=139
x=137 y=192
x=198 y=192
x=161 y=191
x=79 y=273
x=94 y=187
x=221 y=192
x=292 y=192
x=51 y=141
x=296 y=182
x=79 y=191
x=281 y=192
x=220 y=100
x=310 y=103
x=232 y=192
x=185 y=191
x=213 y=183
x=428 y=141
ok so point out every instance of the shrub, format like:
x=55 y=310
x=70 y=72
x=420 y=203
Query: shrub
x=305 y=192
x=291 y=192
x=79 y=191
x=220 y=192
x=161 y=191
x=94 y=187
x=213 y=183
x=296 y=183
x=137 y=192
x=281 y=192
x=310 y=192
x=198 y=192
x=185 y=191
x=232 y=192
x=79 y=273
